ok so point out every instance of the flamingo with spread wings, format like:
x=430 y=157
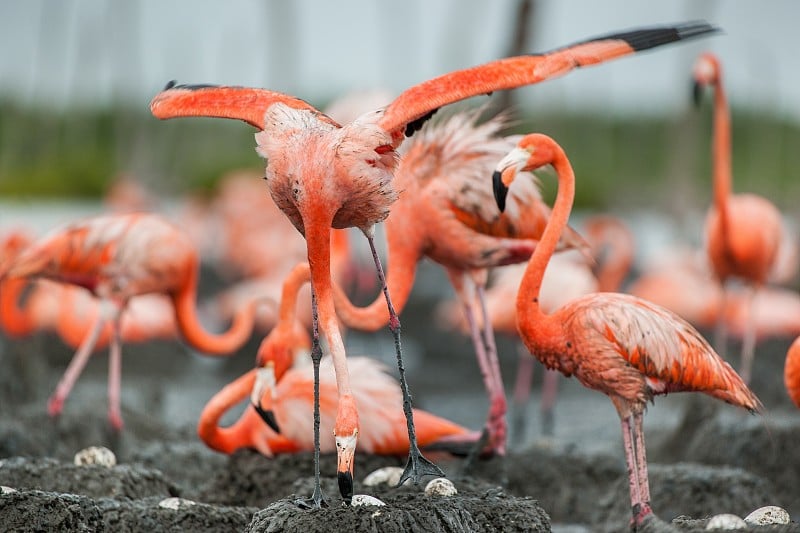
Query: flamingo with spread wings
x=325 y=175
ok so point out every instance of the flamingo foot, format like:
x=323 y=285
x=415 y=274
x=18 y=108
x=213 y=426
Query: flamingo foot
x=316 y=501
x=640 y=512
x=417 y=467
x=115 y=419
x=55 y=405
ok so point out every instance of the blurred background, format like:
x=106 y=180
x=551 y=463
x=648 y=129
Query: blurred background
x=76 y=77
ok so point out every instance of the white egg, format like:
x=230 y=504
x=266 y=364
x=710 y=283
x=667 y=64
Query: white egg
x=769 y=514
x=726 y=522
x=95 y=455
x=441 y=486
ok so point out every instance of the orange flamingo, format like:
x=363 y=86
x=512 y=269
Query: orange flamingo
x=285 y=393
x=791 y=372
x=743 y=231
x=118 y=257
x=325 y=175
x=618 y=344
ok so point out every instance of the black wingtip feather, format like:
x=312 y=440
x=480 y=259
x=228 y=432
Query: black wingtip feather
x=646 y=38
x=173 y=84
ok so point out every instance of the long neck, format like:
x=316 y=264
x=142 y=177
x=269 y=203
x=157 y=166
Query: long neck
x=298 y=276
x=15 y=321
x=528 y=296
x=185 y=301
x=403 y=256
x=226 y=440
x=721 y=149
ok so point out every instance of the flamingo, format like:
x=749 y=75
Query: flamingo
x=791 y=372
x=323 y=175
x=289 y=402
x=118 y=257
x=743 y=232
x=623 y=346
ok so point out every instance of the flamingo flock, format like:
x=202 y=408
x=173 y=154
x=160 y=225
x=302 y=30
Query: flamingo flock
x=452 y=188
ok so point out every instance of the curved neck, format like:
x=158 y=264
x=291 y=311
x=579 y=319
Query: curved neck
x=402 y=258
x=528 y=296
x=226 y=440
x=185 y=301
x=15 y=321
x=298 y=276
x=721 y=151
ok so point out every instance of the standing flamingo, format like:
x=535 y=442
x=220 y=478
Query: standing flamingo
x=285 y=393
x=791 y=372
x=325 y=175
x=118 y=257
x=618 y=344
x=743 y=231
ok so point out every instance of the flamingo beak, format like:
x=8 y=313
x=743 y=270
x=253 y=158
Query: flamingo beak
x=697 y=93
x=264 y=387
x=505 y=173
x=345 y=451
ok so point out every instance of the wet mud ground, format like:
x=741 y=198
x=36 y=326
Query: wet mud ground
x=705 y=457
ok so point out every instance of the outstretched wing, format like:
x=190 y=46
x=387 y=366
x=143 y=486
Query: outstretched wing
x=408 y=111
x=241 y=103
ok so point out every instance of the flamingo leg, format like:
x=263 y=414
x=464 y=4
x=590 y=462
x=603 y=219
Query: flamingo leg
x=417 y=465
x=630 y=460
x=56 y=402
x=521 y=395
x=641 y=469
x=498 y=406
x=115 y=373
x=548 y=401
x=749 y=338
x=317 y=499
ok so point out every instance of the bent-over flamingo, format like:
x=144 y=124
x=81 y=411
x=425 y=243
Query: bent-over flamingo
x=625 y=347
x=324 y=175
x=118 y=257
x=743 y=231
x=288 y=397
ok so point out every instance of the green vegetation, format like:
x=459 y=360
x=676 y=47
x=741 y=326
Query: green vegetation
x=620 y=162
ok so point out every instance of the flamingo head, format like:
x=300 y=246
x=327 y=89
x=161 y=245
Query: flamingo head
x=530 y=153
x=262 y=396
x=706 y=72
x=346 y=436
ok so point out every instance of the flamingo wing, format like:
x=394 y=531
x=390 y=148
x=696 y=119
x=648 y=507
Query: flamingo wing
x=656 y=343
x=410 y=109
x=241 y=103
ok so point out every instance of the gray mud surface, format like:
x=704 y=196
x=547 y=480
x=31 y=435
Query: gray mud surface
x=705 y=457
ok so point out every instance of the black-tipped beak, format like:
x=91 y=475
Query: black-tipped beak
x=346 y=486
x=500 y=190
x=697 y=93
x=170 y=84
x=268 y=416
